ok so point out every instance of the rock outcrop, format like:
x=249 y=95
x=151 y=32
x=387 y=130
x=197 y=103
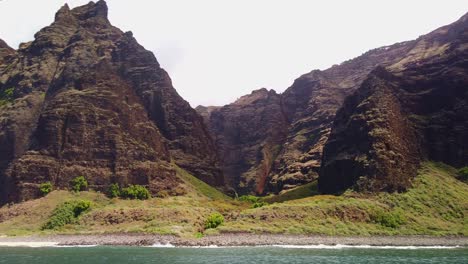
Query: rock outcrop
x=308 y=110
x=248 y=133
x=415 y=109
x=311 y=104
x=84 y=98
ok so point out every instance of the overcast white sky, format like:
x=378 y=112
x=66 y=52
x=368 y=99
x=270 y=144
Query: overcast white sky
x=216 y=51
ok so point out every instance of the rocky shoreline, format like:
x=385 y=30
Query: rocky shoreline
x=226 y=240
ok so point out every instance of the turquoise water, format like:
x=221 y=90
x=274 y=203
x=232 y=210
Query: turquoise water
x=271 y=255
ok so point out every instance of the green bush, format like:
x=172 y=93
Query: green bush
x=8 y=93
x=391 y=219
x=79 y=184
x=249 y=198
x=6 y=96
x=45 y=188
x=463 y=173
x=114 y=190
x=135 y=192
x=259 y=204
x=66 y=213
x=214 y=220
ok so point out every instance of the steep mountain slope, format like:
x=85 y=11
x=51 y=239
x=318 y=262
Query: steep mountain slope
x=310 y=105
x=84 y=98
x=305 y=112
x=308 y=108
x=410 y=111
x=248 y=133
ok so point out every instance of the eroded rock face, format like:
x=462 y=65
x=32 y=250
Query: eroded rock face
x=311 y=104
x=88 y=100
x=413 y=110
x=248 y=133
x=308 y=109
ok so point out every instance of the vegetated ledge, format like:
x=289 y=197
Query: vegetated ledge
x=232 y=240
x=435 y=208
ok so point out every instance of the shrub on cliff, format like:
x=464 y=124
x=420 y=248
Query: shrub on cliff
x=66 y=213
x=463 y=174
x=214 y=220
x=392 y=219
x=45 y=188
x=6 y=96
x=135 y=192
x=114 y=190
x=249 y=198
x=259 y=204
x=79 y=184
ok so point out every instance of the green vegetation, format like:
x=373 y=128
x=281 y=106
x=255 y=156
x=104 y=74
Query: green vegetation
x=7 y=96
x=259 y=204
x=214 y=220
x=463 y=174
x=66 y=213
x=45 y=188
x=436 y=205
x=391 y=219
x=256 y=201
x=79 y=184
x=135 y=192
x=114 y=190
x=249 y=198
x=131 y=192
x=306 y=190
x=199 y=187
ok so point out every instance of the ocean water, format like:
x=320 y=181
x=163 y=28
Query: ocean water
x=270 y=255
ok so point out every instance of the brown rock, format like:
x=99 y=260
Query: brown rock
x=89 y=100
x=416 y=109
x=309 y=107
x=248 y=133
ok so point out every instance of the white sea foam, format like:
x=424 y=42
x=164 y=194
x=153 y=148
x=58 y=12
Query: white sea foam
x=340 y=246
x=28 y=244
x=210 y=246
x=168 y=245
x=320 y=246
x=158 y=245
x=73 y=246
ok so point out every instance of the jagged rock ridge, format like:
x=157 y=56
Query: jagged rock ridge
x=308 y=109
x=84 y=98
x=248 y=133
x=413 y=110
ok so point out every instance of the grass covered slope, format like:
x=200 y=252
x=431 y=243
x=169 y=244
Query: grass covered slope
x=178 y=215
x=436 y=205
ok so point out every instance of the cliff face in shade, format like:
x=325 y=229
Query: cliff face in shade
x=6 y=53
x=84 y=98
x=310 y=105
x=308 y=110
x=248 y=133
x=412 y=110
x=303 y=116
